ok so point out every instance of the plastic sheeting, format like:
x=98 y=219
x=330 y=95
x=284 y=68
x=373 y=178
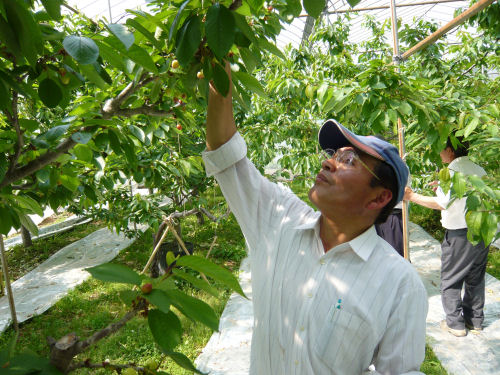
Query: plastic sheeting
x=42 y=287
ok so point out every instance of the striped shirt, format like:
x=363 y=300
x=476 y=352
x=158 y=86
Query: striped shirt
x=319 y=313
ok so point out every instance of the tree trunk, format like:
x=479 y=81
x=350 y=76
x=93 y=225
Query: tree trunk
x=26 y=236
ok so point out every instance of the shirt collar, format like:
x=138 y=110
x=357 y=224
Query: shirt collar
x=362 y=245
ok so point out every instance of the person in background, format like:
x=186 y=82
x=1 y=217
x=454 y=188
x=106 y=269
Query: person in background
x=329 y=295
x=462 y=263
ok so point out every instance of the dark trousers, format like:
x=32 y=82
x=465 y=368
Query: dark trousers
x=392 y=230
x=462 y=264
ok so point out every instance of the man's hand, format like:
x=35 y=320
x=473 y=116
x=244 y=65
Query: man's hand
x=408 y=194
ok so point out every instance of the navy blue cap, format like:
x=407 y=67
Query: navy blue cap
x=333 y=135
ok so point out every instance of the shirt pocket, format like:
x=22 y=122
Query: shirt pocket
x=344 y=342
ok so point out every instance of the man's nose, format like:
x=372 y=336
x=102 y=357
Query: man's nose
x=329 y=164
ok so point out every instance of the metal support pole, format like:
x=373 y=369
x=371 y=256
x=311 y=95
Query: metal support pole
x=473 y=10
x=109 y=8
x=388 y=6
x=401 y=135
x=10 y=296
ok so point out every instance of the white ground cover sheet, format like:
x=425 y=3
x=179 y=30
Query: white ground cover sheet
x=228 y=351
x=42 y=287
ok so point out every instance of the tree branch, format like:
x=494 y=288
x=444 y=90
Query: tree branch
x=110 y=329
x=38 y=163
x=67 y=347
x=112 y=106
x=14 y=121
x=144 y=110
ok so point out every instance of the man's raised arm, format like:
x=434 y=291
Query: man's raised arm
x=220 y=120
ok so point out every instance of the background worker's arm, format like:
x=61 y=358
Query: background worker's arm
x=220 y=121
x=422 y=200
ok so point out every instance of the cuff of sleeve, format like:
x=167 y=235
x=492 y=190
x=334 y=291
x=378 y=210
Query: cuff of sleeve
x=225 y=156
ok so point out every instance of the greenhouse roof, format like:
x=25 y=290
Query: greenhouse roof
x=409 y=12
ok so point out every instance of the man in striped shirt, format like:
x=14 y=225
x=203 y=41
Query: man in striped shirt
x=329 y=295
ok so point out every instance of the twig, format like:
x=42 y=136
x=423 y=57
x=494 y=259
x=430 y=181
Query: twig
x=14 y=120
x=157 y=247
x=211 y=246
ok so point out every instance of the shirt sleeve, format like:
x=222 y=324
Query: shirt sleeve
x=402 y=348
x=259 y=205
x=441 y=198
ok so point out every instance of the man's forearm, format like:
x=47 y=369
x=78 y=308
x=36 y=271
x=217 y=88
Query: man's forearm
x=425 y=201
x=220 y=121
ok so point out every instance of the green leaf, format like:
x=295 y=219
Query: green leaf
x=159 y=299
x=194 y=309
x=91 y=73
x=55 y=133
x=405 y=109
x=137 y=132
x=128 y=296
x=82 y=49
x=115 y=273
x=28 y=224
x=489 y=227
x=270 y=47
x=219 y=29
x=477 y=182
x=4 y=165
x=80 y=137
x=6 y=223
x=473 y=202
x=53 y=8
x=458 y=184
x=5 y=97
x=149 y=35
x=474 y=220
x=183 y=361
x=121 y=32
x=188 y=40
x=314 y=7
x=249 y=59
x=83 y=152
x=141 y=57
x=471 y=127
x=198 y=283
x=30 y=125
x=255 y=5
x=50 y=93
x=25 y=30
x=250 y=83
x=242 y=25
x=221 y=80
x=353 y=3
x=166 y=329
x=176 y=19
x=28 y=203
x=69 y=182
x=379 y=85
x=213 y=270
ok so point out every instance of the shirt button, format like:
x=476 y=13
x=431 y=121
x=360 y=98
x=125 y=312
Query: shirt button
x=296 y=363
x=309 y=295
x=322 y=261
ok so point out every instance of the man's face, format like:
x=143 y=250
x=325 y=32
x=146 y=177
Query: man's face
x=447 y=155
x=344 y=186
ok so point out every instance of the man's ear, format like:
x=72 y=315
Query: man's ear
x=382 y=198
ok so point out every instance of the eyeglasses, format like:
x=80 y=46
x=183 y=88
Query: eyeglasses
x=346 y=157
